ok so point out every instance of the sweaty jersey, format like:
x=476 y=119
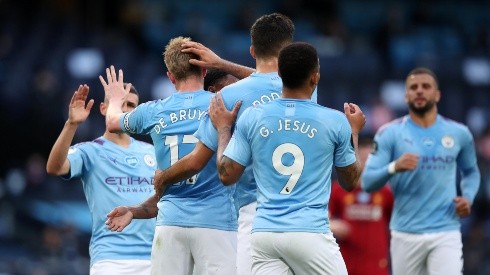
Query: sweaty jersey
x=424 y=197
x=202 y=200
x=112 y=176
x=258 y=88
x=292 y=146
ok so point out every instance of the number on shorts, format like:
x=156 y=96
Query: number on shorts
x=294 y=170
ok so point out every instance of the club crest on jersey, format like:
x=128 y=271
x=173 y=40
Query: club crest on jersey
x=149 y=160
x=72 y=150
x=447 y=141
x=132 y=161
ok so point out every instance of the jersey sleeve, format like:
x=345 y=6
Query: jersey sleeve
x=207 y=134
x=375 y=173
x=134 y=122
x=79 y=163
x=344 y=152
x=467 y=163
x=238 y=148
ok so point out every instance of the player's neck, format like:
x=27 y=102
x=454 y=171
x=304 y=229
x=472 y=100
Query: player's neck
x=120 y=139
x=302 y=93
x=426 y=119
x=268 y=65
x=190 y=84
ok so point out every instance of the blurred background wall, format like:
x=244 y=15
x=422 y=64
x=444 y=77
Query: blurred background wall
x=49 y=47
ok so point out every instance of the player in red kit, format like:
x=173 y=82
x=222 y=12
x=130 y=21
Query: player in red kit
x=359 y=221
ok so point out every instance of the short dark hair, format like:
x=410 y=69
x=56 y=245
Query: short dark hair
x=270 y=33
x=296 y=63
x=213 y=76
x=424 y=70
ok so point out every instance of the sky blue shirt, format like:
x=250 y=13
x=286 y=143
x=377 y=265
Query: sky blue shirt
x=258 y=88
x=201 y=201
x=112 y=176
x=424 y=197
x=292 y=146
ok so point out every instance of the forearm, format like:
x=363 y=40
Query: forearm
x=470 y=182
x=349 y=177
x=237 y=70
x=113 y=114
x=146 y=210
x=373 y=178
x=57 y=157
x=224 y=136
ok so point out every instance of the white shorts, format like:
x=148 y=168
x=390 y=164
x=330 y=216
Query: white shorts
x=121 y=267
x=245 y=221
x=290 y=253
x=180 y=250
x=438 y=253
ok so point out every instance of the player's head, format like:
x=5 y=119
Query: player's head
x=177 y=62
x=421 y=90
x=299 y=66
x=365 y=144
x=130 y=102
x=216 y=79
x=269 y=34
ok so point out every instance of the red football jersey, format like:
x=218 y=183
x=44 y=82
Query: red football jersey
x=366 y=248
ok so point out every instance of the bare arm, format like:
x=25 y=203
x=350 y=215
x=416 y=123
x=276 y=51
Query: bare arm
x=229 y=170
x=115 y=92
x=183 y=169
x=349 y=176
x=222 y=120
x=208 y=59
x=121 y=216
x=78 y=112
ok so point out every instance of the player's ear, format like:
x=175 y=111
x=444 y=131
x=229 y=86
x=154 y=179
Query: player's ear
x=252 y=51
x=171 y=77
x=103 y=108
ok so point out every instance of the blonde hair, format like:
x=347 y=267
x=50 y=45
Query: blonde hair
x=177 y=62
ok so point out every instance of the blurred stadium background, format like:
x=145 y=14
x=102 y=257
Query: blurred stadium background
x=49 y=47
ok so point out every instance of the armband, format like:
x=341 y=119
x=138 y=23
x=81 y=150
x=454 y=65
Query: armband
x=391 y=168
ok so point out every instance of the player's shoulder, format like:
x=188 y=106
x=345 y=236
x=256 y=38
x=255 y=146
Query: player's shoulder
x=143 y=144
x=458 y=126
x=391 y=126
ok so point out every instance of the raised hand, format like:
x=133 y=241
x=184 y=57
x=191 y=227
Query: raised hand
x=114 y=87
x=119 y=218
x=78 y=111
x=355 y=116
x=220 y=116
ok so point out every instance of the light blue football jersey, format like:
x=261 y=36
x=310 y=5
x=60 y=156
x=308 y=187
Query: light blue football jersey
x=424 y=197
x=292 y=146
x=258 y=88
x=112 y=176
x=201 y=201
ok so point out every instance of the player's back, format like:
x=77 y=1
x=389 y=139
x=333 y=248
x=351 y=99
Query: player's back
x=258 y=88
x=202 y=200
x=294 y=144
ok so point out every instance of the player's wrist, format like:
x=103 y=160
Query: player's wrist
x=392 y=168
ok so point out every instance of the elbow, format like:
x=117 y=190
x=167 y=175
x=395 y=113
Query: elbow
x=226 y=180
